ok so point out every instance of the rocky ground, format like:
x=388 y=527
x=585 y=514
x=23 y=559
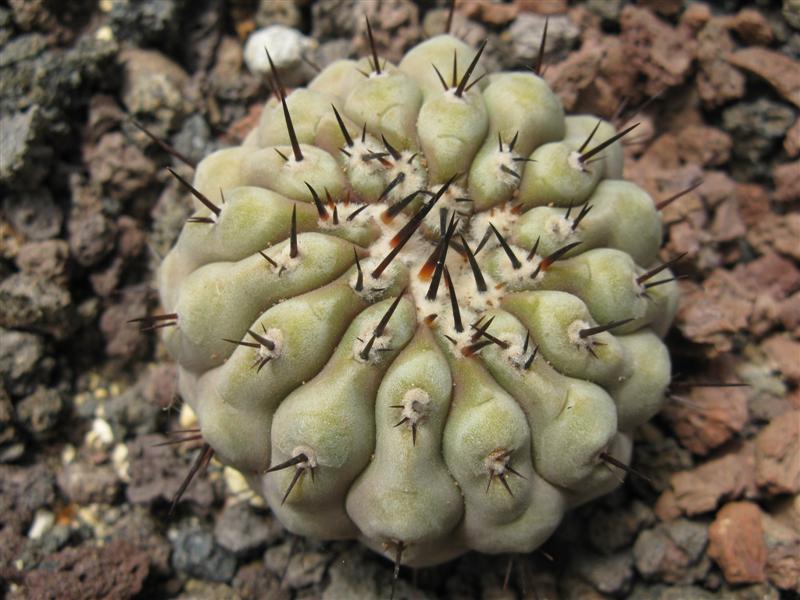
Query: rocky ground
x=88 y=207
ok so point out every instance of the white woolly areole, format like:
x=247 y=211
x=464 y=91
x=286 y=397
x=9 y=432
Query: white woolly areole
x=506 y=159
x=516 y=353
x=574 y=333
x=450 y=202
x=497 y=461
x=275 y=336
x=560 y=227
x=311 y=457
x=380 y=343
x=415 y=175
x=415 y=405
x=574 y=161
x=359 y=163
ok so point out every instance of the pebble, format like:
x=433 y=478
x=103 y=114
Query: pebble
x=141 y=529
x=243 y=531
x=611 y=574
x=780 y=71
x=156 y=472
x=24 y=158
x=42 y=305
x=304 y=567
x=131 y=413
x=203 y=590
x=736 y=543
x=22 y=361
x=791 y=12
x=672 y=551
x=194 y=139
x=40 y=412
x=270 y=12
x=352 y=575
x=717 y=81
x=92 y=234
x=145 y=22
x=610 y=531
x=118 y=167
x=609 y=10
x=757 y=128
x=12 y=447
x=155 y=89
x=778 y=455
x=34 y=214
x=254 y=581
x=286 y=46
x=23 y=491
x=678 y=592
x=526 y=33
x=83 y=483
x=662 y=54
x=46 y=260
x=196 y=554
x=116 y=569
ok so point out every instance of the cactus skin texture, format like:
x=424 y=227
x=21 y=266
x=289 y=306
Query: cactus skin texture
x=419 y=307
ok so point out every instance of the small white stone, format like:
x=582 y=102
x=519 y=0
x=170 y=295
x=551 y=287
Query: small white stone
x=42 y=522
x=286 y=47
x=100 y=436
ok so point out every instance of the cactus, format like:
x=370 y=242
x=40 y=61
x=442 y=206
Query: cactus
x=419 y=306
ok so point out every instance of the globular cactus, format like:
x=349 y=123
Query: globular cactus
x=419 y=307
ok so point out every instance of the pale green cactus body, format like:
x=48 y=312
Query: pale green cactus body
x=421 y=309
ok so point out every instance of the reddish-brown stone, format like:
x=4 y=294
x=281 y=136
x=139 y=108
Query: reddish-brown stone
x=780 y=71
x=736 y=543
x=731 y=476
x=778 y=455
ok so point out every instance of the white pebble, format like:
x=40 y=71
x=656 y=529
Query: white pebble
x=286 y=47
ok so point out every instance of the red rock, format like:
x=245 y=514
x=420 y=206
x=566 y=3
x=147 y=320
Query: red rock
x=490 y=12
x=753 y=203
x=121 y=339
x=727 y=225
x=789 y=310
x=159 y=385
x=709 y=314
x=46 y=259
x=661 y=53
x=736 y=543
x=542 y=7
x=706 y=417
x=753 y=28
x=704 y=146
x=730 y=476
x=784 y=354
x=115 y=570
x=769 y=274
x=120 y=167
x=666 y=508
x=787 y=182
x=778 y=455
x=668 y=8
x=717 y=81
x=780 y=71
x=791 y=143
x=696 y=15
x=777 y=233
x=783 y=554
x=570 y=77
x=239 y=130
